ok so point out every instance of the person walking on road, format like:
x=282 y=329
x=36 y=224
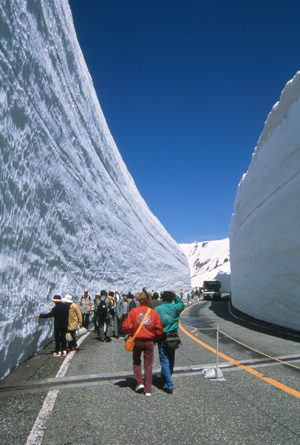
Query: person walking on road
x=150 y=333
x=60 y=312
x=86 y=307
x=169 y=313
x=122 y=312
x=74 y=320
x=105 y=317
x=155 y=300
x=96 y=315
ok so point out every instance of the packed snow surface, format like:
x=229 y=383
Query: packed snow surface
x=209 y=260
x=265 y=228
x=71 y=215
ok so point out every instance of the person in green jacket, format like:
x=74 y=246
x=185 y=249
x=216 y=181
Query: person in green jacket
x=169 y=312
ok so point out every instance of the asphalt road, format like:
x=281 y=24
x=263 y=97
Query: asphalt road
x=93 y=401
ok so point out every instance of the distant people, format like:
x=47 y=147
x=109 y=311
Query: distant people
x=117 y=295
x=105 y=317
x=155 y=300
x=113 y=310
x=96 y=315
x=133 y=302
x=169 y=314
x=130 y=296
x=60 y=312
x=75 y=320
x=114 y=297
x=150 y=332
x=181 y=294
x=86 y=307
x=122 y=312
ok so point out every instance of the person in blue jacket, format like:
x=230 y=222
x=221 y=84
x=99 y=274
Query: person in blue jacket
x=169 y=312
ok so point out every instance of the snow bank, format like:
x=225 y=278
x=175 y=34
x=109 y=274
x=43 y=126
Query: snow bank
x=209 y=260
x=265 y=228
x=71 y=215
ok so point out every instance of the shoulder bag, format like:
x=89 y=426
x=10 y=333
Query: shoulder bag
x=129 y=343
x=171 y=340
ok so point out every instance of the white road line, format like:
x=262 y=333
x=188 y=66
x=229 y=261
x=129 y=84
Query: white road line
x=37 y=432
x=36 y=435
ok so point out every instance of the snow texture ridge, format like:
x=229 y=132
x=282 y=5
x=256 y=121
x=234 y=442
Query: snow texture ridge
x=265 y=228
x=209 y=260
x=71 y=215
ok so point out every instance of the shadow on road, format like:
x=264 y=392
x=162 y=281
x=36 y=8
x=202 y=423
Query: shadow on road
x=225 y=310
x=130 y=382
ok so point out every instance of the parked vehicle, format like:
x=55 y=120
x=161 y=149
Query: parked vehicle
x=211 y=290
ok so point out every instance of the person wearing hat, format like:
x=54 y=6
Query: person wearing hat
x=60 y=312
x=86 y=306
x=74 y=320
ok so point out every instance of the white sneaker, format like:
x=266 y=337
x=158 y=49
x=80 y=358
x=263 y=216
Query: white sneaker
x=139 y=388
x=148 y=394
x=57 y=354
x=64 y=353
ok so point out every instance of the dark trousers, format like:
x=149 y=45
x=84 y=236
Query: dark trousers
x=60 y=339
x=120 y=322
x=73 y=342
x=96 y=322
x=85 y=320
x=148 y=348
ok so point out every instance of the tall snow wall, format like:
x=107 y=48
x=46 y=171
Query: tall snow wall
x=265 y=227
x=71 y=215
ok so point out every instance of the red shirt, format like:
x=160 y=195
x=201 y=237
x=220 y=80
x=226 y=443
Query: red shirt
x=152 y=329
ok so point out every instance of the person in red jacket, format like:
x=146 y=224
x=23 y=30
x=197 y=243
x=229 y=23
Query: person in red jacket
x=150 y=333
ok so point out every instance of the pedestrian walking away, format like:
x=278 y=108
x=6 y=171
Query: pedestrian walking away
x=105 y=317
x=169 y=312
x=150 y=332
x=74 y=320
x=60 y=312
x=155 y=300
x=96 y=315
x=86 y=307
x=122 y=312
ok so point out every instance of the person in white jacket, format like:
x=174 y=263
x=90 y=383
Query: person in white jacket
x=86 y=306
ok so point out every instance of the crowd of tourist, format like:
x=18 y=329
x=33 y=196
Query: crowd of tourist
x=149 y=318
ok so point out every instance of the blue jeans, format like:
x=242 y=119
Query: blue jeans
x=167 y=359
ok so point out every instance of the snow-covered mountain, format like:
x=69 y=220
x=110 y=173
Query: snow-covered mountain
x=209 y=260
x=265 y=228
x=71 y=215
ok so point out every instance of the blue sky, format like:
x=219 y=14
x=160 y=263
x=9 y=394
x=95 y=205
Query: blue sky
x=185 y=87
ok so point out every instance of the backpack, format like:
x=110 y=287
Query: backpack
x=102 y=308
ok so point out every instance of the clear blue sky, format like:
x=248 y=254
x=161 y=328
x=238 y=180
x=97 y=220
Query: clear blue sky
x=185 y=87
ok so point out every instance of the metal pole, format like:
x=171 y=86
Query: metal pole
x=217 y=349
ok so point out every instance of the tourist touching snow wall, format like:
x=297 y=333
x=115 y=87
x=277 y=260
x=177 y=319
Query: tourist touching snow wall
x=265 y=228
x=71 y=215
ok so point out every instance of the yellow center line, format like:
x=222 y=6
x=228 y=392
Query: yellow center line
x=273 y=382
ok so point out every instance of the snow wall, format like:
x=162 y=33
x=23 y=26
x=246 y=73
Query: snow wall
x=71 y=215
x=265 y=227
x=209 y=260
